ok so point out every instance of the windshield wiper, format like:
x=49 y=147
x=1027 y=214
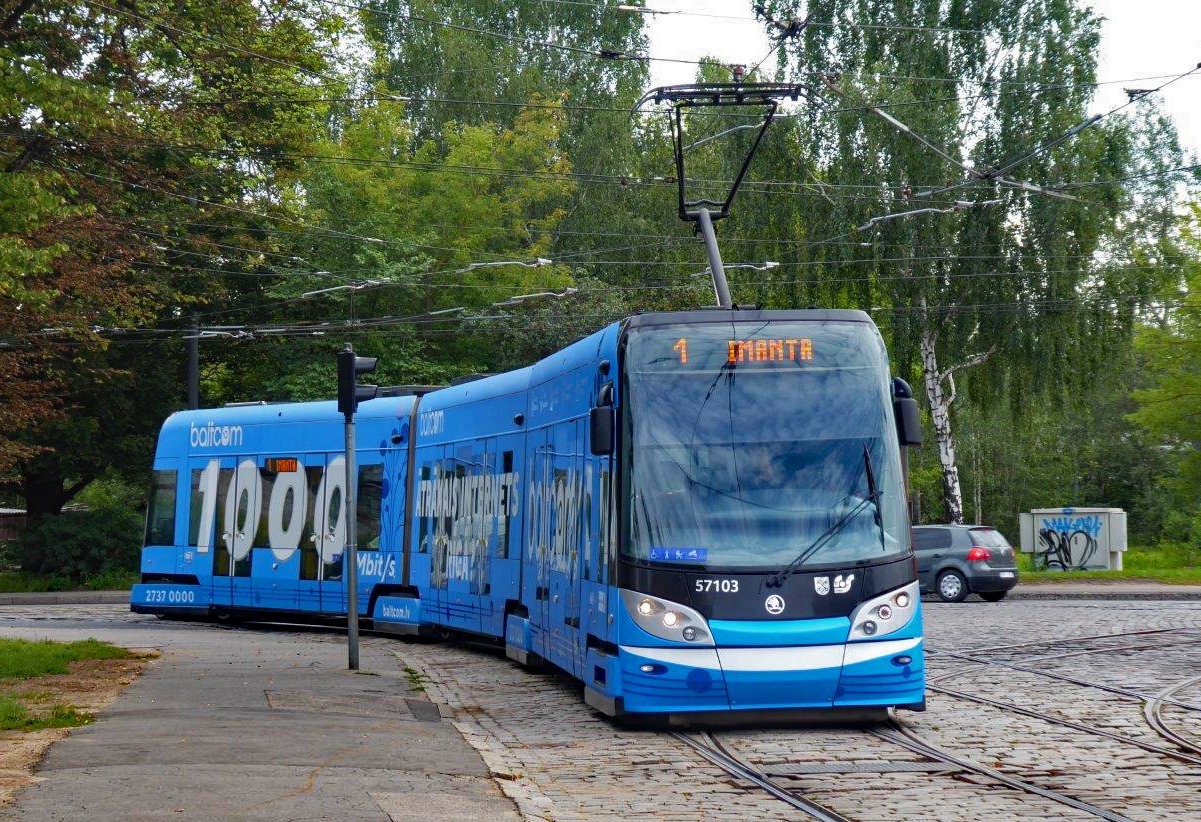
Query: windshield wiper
x=777 y=579
x=872 y=498
x=874 y=493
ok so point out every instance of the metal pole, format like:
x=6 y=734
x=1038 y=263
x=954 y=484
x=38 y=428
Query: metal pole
x=721 y=289
x=351 y=553
x=193 y=376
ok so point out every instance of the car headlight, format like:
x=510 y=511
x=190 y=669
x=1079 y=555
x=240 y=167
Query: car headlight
x=885 y=614
x=667 y=620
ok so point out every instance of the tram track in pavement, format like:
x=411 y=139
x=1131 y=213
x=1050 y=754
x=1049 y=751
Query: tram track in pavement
x=899 y=734
x=896 y=733
x=996 y=649
x=1153 y=712
x=1186 y=749
x=711 y=749
x=1009 y=707
x=1117 y=690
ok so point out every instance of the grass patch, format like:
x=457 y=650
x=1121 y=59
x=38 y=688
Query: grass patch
x=1171 y=563
x=15 y=582
x=416 y=680
x=16 y=716
x=1170 y=576
x=23 y=659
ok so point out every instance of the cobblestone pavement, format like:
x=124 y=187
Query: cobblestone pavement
x=559 y=760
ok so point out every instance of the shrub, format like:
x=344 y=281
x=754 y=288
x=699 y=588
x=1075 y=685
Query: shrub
x=80 y=544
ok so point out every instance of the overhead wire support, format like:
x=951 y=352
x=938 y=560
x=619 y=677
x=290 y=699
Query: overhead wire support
x=973 y=173
x=1000 y=174
x=520 y=298
x=958 y=206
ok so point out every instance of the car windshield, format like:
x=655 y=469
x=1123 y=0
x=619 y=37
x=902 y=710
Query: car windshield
x=748 y=441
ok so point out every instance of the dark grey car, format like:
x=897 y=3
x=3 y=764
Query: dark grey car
x=956 y=560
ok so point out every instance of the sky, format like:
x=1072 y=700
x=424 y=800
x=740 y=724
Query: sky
x=1139 y=39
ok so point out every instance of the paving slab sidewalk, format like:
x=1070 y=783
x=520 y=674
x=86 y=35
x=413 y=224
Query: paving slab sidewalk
x=253 y=725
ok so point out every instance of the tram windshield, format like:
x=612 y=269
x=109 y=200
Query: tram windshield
x=752 y=444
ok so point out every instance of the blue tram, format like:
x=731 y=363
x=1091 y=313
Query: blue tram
x=688 y=512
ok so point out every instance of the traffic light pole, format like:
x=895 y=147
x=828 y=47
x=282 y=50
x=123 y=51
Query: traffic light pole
x=351 y=553
x=350 y=393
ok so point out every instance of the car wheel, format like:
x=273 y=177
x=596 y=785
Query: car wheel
x=993 y=596
x=952 y=587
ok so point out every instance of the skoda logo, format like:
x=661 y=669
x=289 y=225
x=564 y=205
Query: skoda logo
x=774 y=604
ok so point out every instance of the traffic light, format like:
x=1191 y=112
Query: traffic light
x=350 y=393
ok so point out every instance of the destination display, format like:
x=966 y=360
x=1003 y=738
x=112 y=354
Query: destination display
x=751 y=351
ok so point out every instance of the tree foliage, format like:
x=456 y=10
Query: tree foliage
x=1169 y=409
x=291 y=176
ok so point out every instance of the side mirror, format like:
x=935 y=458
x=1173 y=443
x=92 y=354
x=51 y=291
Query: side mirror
x=904 y=408
x=909 y=421
x=600 y=430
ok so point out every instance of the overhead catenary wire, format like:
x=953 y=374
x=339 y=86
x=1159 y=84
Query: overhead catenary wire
x=436 y=248
x=425 y=322
x=776 y=188
x=1025 y=90
x=602 y=53
x=955 y=161
x=650 y=9
x=1000 y=173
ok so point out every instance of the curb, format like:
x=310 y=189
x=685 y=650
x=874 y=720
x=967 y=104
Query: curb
x=66 y=598
x=1184 y=593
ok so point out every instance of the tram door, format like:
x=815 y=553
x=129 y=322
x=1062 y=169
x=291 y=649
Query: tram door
x=505 y=456
x=564 y=489
x=536 y=574
x=321 y=586
x=242 y=504
x=226 y=506
x=275 y=557
x=462 y=561
x=210 y=478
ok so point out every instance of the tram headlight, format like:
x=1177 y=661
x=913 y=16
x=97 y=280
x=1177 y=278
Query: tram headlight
x=665 y=619
x=885 y=614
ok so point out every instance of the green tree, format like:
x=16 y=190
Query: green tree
x=1170 y=409
x=962 y=195
x=444 y=246
x=130 y=134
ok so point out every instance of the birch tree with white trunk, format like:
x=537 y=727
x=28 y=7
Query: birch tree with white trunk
x=952 y=177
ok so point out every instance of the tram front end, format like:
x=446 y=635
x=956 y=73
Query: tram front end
x=764 y=557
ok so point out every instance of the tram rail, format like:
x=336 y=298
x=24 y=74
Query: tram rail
x=718 y=754
x=1068 y=723
x=901 y=735
x=1153 y=711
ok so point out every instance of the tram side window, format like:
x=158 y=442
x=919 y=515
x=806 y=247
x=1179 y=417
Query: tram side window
x=262 y=529
x=308 y=538
x=505 y=516
x=367 y=508
x=425 y=517
x=160 y=514
x=196 y=509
